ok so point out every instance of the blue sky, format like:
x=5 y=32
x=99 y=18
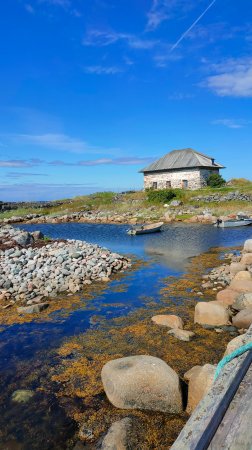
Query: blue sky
x=92 y=91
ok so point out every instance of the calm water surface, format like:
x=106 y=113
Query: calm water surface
x=27 y=348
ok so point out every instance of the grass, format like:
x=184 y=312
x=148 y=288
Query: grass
x=137 y=202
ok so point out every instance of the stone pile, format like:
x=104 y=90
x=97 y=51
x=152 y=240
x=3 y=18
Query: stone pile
x=233 y=305
x=219 y=198
x=29 y=272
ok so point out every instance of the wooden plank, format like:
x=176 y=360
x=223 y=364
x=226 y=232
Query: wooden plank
x=202 y=415
x=235 y=431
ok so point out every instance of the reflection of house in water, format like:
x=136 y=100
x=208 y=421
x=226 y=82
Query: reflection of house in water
x=176 y=244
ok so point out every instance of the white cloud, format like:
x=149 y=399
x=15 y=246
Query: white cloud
x=162 y=10
x=61 y=3
x=104 y=38
x=24 y=174
x=124 y=161
x=164 y=56
x=29 y=8
x=231 y=123
x=15 y=163
x=157 y=14
x=103 y=70
x=61 y=142
x=232 y=78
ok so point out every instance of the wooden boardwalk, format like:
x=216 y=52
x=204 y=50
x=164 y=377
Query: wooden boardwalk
x=234 y=431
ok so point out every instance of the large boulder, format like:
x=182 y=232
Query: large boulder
x=24 y=238
x=227 y=296
x=248 y=246
x=236 y=267
x=243 y=301
x=243 y=319
x=243 y=275
x=235 y=343
x=142 y=382
x=211 y=313
x=168 y=320
x=200 y=381
x=241 y=285
x=118 y=435
x=246 y=259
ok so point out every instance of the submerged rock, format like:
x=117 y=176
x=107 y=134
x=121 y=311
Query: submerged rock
x=33 y=309
x=118 y=435
x=182 y=335
x=22 y=395
x=142 y=382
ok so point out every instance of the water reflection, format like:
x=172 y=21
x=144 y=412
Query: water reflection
x=171 y=248
x=31 y=345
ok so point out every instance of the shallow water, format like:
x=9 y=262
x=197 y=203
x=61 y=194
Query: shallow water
x=26 y=350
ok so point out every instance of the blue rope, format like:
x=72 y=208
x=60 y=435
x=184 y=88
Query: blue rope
x=239 y=351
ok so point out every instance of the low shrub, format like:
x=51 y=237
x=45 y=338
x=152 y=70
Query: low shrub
x=215 y=180
x=160 y=196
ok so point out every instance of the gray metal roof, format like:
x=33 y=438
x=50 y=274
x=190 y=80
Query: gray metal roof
x=182 y=159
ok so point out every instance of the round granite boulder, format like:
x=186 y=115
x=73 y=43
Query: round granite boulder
x=142 y=382
x=211 y=313
x=243 y=319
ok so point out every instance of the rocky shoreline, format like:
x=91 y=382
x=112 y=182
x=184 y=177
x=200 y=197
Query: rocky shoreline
x=33 y=270
x=170 y=214
x=125 y=379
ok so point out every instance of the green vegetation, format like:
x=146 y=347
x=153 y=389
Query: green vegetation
x=239 y=182
x=161 y=196
x=146 y=204
x=215 y=180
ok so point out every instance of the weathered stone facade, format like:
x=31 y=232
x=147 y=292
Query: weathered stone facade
x=193 y=178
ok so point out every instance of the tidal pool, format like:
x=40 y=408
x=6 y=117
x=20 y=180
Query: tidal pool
x=31 y=352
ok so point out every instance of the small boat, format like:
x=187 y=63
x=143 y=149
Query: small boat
x=145 y=229
x=239 y=222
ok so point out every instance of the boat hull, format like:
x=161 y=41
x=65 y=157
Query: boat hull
x=233 y=223
x=145 y=229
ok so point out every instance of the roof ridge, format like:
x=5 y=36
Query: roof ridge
x=192 y=150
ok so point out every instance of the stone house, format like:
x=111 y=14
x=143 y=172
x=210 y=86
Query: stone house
x=183 y=169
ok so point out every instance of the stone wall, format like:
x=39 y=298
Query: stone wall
x=196 y=178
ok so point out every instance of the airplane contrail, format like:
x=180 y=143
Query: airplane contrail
x=191 y=27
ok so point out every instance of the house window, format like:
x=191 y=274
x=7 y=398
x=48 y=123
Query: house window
x=168 y=185
x=154 y=185
x=184 y=184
